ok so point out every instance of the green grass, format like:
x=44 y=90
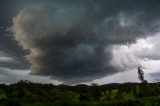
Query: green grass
x=2 y=94
x=149 y=101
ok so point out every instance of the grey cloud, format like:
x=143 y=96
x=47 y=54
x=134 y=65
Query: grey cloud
x=70 y=41
x=10 y=62
x=156 y=77
x=144 y=52
x=9 y=76
x=14 y=65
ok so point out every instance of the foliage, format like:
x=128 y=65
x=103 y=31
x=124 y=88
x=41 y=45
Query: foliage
x=26 y=93
x=2 y=94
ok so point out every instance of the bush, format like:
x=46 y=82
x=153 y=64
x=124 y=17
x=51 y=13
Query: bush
x=7 y=102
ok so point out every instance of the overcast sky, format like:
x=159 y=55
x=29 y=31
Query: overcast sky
x=79 y=41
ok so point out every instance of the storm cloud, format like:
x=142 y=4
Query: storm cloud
x=72 y=40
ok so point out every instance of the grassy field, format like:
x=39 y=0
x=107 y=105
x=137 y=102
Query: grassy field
x=149 y=101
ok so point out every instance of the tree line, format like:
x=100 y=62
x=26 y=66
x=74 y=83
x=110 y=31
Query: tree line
x=28 y=92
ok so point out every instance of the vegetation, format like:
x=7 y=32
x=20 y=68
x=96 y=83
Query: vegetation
x=26 y=93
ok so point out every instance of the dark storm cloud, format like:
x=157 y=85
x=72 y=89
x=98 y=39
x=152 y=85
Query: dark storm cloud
x=12 y=62
x=8 y=46
x=15 y=64
x=70 y=40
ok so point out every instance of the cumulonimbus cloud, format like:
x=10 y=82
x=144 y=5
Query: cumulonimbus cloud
x=71 y=41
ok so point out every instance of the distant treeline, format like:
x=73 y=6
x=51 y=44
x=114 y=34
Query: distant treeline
x=127 y=94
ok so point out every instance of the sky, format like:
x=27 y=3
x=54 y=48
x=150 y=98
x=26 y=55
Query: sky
x=79 y=41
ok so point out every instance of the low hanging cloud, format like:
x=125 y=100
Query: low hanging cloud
x=72 y=41
x=10 y=62
x=143 y=52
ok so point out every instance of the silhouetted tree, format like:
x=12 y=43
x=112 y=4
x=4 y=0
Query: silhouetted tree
x=140 y=74
x=144 y=87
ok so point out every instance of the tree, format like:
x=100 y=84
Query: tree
x=95 y=91
x=141 y=75
x=144 y=85
x=105 y=96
